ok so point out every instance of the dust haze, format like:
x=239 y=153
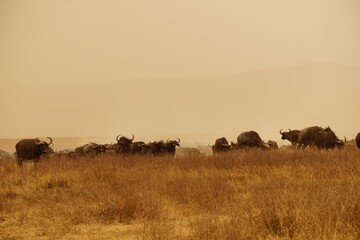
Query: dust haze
x=195 y=70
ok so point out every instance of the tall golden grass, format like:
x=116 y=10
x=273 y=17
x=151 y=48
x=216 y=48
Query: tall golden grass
x=255 y=194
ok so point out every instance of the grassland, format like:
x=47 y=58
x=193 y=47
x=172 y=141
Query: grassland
x=285 y=194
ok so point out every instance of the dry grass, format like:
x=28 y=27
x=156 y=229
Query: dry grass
x=244 y=195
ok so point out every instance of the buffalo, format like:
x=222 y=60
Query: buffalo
x=221 y=145
x=156 y=147
x=326 y=139
x=31 y=149
x=170 y=146
x=250 y=139
x=123 y=144
x=79 y=150
x=138 y=148
x=291 y=135
x=161 y=147
x=307 y=136
x=357 y=140
x=319 y=137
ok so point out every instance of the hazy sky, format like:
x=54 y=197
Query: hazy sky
x=178 y=68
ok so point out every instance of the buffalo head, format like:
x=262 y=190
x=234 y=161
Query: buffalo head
x=123 y=144
x=291 y=135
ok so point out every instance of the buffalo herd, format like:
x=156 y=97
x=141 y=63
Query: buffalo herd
x=314 y=136
x=32 y=149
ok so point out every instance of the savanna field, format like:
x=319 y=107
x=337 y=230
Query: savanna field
x=254 y=194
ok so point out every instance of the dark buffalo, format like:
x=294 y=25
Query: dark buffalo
x=357 y=140
x=138 y=148
x=221 y=145
x=250 y=139
x=79 y=150
x=291 y=135
x=31 y=149
x=170 y=146
x=327 y=139
x=307 y=136
x=123 y=144
x=156 y=147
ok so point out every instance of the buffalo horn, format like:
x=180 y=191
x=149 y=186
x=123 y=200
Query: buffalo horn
x=37 y=141
x=178 y=140
x=118 y=137
x=132 y=137
x=280 y=131
x=50 y=140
